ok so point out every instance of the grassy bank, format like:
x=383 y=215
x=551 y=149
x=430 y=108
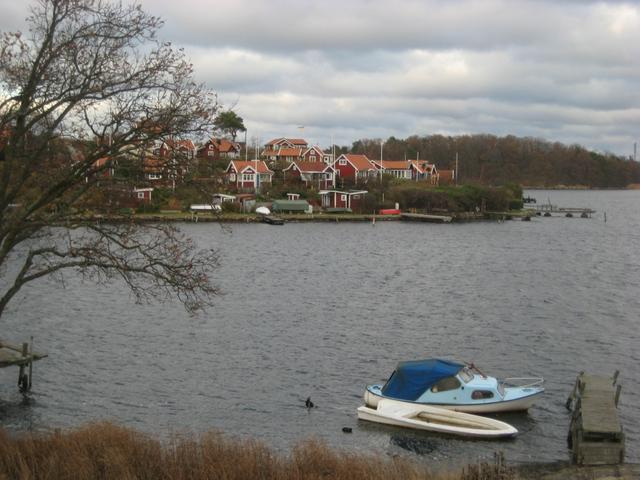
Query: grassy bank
x=106 y=451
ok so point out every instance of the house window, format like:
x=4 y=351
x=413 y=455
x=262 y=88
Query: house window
x=343 y=198
x=154 y=176
x=355 y=197
x=232 y=177
x=247 y=177
x=326 y=159
x=342 y=161
x=140 y=194
x=312 y=158
x=210 y=153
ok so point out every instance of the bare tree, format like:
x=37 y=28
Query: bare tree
x=88 y=85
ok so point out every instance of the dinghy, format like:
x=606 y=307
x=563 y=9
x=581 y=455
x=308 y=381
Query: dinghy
x=435 y=419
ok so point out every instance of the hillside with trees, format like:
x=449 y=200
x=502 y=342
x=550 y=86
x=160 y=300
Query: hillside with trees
x=491 y=160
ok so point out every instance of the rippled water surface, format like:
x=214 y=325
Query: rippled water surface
x=321 y=310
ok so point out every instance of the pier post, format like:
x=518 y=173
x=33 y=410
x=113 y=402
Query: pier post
x=23 y=383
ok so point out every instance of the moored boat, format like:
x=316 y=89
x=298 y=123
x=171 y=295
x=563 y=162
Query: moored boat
x=455 y=386
x=435 y=419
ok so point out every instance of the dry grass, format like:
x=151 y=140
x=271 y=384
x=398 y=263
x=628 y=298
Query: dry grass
x=107 y=451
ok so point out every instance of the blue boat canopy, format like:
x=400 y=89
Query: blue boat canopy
x=411 y=379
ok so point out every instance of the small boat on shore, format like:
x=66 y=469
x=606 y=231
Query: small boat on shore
x=435 y=419
x=455 y=386
x=272 y=220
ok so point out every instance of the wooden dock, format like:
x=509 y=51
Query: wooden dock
x=22 y=357
x=423 y=217
x=548 y=210
x=595 y=432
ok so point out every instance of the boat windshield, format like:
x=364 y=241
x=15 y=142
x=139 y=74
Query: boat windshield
x=465 y=375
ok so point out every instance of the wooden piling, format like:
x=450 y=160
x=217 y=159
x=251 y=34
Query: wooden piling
x=595 y=432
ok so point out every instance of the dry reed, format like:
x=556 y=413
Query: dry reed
x=107 y=451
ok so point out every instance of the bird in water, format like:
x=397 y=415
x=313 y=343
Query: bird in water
x=308 y=403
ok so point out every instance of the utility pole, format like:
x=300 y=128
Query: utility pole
x=456 y=172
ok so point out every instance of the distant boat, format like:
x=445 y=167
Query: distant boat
x=435 y=419
x=263 y=211
x=454 y=386
x=272 y=220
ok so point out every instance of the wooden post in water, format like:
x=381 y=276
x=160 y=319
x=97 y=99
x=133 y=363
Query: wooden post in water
x=22 y=385
x=30 y=362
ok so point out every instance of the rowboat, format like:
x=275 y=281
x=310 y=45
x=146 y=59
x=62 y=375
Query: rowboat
x=435 y=419
x=455 y=386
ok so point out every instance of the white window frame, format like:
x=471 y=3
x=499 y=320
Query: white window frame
x=343 y=197
x=342 y=161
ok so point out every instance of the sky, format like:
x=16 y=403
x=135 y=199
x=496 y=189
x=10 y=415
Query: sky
x=566 y=71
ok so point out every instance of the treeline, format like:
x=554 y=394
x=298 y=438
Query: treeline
x=491 y=160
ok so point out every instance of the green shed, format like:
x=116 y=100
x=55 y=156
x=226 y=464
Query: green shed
x=291 y=206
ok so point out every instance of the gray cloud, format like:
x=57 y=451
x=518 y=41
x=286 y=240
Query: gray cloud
x=565 y=71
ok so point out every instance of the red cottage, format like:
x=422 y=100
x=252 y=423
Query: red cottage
x=354 y=168
x=312 y=174
x=352 y=199
x=243 y=174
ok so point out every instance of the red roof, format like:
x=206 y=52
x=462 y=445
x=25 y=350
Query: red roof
x=241 y=165
x=292 y=141
x=309 y=167
x=392 y=164
x=101 y=162
x=289 y=152
x=176 y=144
x=423 y=166
x=361 y=162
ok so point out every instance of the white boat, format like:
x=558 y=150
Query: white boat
x=455 y=386
x=263 y=211
x=435 y=419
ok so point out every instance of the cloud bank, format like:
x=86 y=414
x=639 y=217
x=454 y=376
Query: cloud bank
x=563 y=71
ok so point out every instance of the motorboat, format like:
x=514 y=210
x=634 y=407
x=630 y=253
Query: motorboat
x=455 y=386
x=435 y=419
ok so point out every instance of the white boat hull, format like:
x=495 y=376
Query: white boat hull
x=516 y=405
x=435 y=419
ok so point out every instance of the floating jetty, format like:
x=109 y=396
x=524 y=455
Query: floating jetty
x=423 y=217
x=595 y=433
x=548 y=210
x=272 y=220
x=22 y=357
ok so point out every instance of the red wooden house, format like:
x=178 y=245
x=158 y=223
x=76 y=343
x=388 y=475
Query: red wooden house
x=352 y=199
x=423 y=170
x=243 y=176
x=312 y=174
x=219 y=148
x=143 y=195
x=354 y=168
x=398 y=168
x=287 y=149
x=315 y=154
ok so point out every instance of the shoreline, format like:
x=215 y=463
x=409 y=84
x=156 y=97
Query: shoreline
x=187 y=217
x=109 y=450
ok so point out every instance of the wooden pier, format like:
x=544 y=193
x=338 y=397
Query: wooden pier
x=423 y=217
x=595 y=432
x=548 y=210
x=22 y=357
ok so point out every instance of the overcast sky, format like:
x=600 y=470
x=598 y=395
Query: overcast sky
x=565 y=71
